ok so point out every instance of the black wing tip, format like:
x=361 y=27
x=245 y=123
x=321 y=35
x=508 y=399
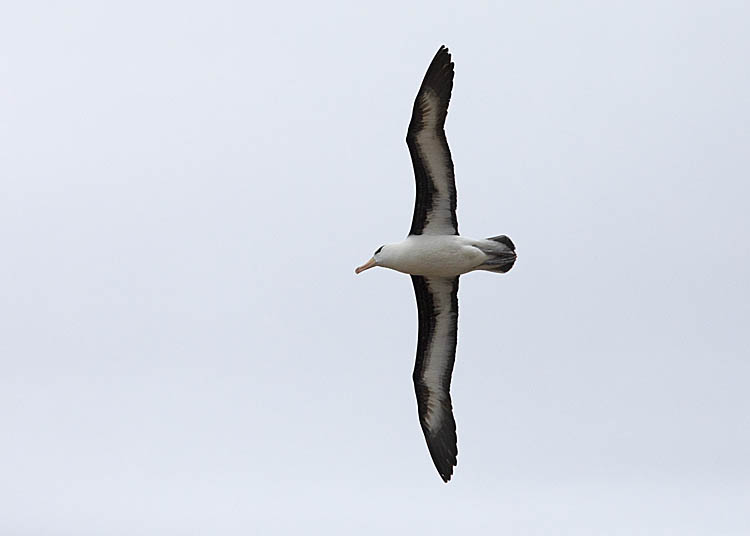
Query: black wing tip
x=443 y=447
x=440 y=73
x=443 y=50
x=442 y=61
x=446 y=470
x=438 y=79
x=444 y=455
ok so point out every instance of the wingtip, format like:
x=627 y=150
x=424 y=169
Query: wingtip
x=444 y=50
x=440 y=74
x=444 y=456
x=446 y=473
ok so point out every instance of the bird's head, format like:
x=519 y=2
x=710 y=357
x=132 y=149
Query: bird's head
x=376 y=260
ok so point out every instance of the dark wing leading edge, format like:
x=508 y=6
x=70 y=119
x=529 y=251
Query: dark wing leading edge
x=437 y=305
x=435 y=205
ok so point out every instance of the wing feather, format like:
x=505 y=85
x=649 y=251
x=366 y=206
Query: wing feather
x=435 y=203
x=437 y=307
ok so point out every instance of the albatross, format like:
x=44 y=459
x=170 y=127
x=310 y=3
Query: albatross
x=435 y=255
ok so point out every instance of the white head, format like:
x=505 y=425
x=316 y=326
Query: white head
x=378 y=259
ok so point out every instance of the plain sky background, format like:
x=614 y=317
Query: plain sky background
x=186 y=188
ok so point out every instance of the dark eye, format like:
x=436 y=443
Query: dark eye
x=377 y=251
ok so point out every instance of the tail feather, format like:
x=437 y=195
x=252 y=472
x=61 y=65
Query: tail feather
x=501 y=252
x=504 y=240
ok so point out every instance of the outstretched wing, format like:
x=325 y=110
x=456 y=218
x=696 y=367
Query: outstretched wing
x=435 y=205
x=437 y=305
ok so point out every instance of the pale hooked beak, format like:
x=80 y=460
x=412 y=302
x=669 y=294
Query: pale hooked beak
x=369 y=264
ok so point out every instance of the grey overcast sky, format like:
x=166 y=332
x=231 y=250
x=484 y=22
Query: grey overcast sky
x=186 y=188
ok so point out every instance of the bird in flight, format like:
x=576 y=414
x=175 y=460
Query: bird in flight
x=435 y=255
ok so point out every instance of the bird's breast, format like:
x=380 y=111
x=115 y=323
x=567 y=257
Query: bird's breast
x=437 y=256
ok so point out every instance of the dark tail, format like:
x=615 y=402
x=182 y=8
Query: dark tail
x=502 y=254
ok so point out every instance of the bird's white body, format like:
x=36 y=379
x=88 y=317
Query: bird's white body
x=433 y=255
